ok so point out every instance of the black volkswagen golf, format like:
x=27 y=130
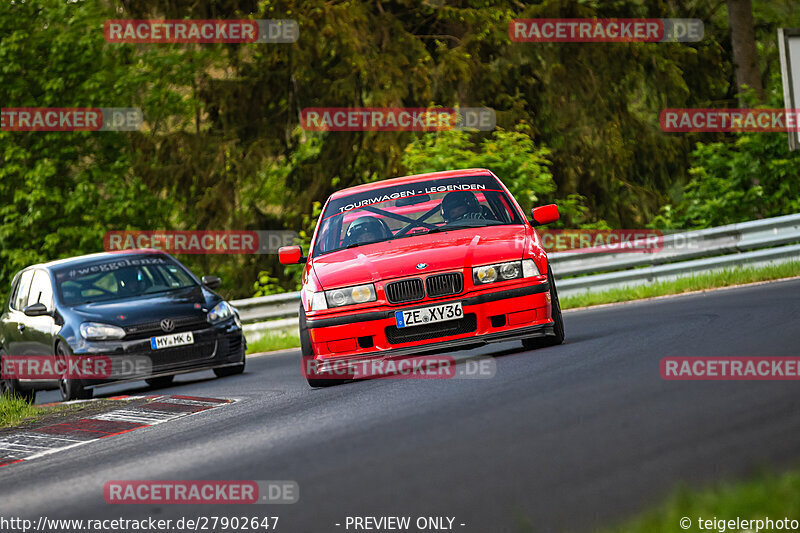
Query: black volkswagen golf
x=128 y=308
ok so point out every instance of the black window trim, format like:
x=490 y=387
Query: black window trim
x=52 y=305
x=16 y=282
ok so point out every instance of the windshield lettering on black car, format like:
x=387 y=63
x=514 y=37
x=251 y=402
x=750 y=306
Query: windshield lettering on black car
x=115 y=265
x=413 y=209
x=124 y=278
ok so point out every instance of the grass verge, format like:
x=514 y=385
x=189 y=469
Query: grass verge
x=14 y=410
x=776 y=496
x=709 y=280
x=286 y=339
x=275 y=340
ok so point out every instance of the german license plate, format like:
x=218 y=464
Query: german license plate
x=170 y=341
x=429 y=315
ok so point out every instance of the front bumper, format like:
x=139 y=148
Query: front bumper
x=512 y=312
x=215 y=346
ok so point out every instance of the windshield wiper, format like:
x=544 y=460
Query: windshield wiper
x=451 y=228
x=353 y=245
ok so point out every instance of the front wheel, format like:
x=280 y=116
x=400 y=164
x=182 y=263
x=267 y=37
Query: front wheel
x=558 y=326
x=71 y=389
x=308 y=367
x=11 y=388
x=162 y=381
x=226 y=371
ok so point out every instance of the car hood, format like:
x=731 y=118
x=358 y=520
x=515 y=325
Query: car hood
x=192 y=301
x=452 y=250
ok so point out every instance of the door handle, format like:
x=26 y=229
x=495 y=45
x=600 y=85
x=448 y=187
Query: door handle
x=21 y=327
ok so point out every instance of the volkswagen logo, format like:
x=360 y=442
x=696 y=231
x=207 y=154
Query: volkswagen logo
x=422 y=266
x=167 y=325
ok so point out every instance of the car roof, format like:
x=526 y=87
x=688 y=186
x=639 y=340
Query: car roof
x=90 y=258
x=412 y=179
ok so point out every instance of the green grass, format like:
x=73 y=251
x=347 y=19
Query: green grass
x=277 y=340
x=776 y=496
x=286 y=339
x=14 y=410
x=710 y=280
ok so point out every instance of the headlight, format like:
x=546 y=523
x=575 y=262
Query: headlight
x=95 y=331
x=499 y=272
x=351 y=295
x=220 y=312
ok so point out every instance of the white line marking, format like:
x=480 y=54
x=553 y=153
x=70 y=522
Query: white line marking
x=149 y=417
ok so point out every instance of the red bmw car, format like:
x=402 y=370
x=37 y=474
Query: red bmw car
x=427 y=263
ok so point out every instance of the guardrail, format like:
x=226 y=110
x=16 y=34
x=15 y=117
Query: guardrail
x=752 y=243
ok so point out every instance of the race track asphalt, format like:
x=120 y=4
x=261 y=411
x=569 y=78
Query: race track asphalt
x=572 y=437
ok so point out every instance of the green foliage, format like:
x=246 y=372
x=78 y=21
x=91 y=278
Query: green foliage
x=764 y=495
x=522 y=165
x=754 y=177
x=266 y=284
x=60 y=192
x=745 y=177
x=274 y=340
x=512 y=155
x=222 y=148
x=13 y=410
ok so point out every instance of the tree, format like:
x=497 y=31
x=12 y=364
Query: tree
x=743 y=41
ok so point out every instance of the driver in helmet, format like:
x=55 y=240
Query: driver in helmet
x=461 y=205
x=364 y=230
x=128 y=281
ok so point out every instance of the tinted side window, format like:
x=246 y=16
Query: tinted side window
x=41 y=290
x=21 y=296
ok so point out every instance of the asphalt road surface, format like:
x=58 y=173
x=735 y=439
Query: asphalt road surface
x=572 y=437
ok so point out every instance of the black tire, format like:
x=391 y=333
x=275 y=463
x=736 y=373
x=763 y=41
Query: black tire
x=71 y=389
x=558 y=326
x=159 y=382
x=308 y=356
x=11 y=388
x=226 y=371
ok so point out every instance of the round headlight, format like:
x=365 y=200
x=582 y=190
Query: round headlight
x=487 y=274
x=509 y=271
x=338 y=298
x=361 y=294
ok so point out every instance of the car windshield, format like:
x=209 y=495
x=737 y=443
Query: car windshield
x=120 y=278
x=413 y=209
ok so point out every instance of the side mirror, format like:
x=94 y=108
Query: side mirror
x=290 y=255
x=37 y=309
x=544 y=214
x=212 y=282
